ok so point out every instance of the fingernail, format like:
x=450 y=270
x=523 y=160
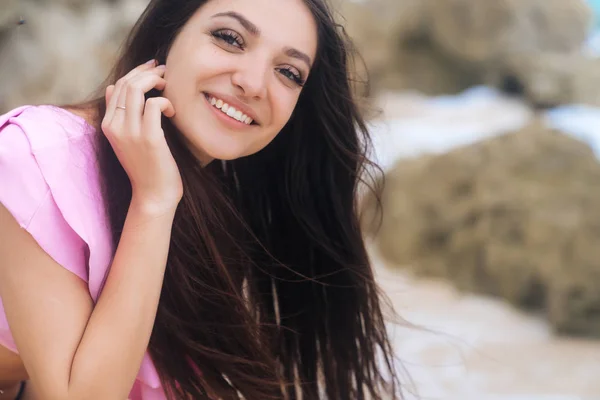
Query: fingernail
x=162 y=67
x=153 y=61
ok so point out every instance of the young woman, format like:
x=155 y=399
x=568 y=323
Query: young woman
x=193 y=232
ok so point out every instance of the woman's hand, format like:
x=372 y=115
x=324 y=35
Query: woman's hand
x=132 y=125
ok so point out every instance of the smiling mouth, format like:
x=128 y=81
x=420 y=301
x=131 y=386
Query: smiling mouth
x=228 y=110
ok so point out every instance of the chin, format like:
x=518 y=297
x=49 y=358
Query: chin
x=220 y=149
x=226 y=156
x=217 y=143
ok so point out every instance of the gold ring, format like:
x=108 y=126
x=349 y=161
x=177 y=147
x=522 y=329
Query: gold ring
x=121 y=108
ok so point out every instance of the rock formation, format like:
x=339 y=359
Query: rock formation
x=514 y=216
x=528 y=47
x=64 y=49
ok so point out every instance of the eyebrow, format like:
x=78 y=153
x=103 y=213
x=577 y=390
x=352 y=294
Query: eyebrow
x=255 y=31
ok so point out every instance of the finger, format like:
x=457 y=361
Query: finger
x=135 y=99
x=115 y=95
x=154 y=109
x=124 y=84
x=109 y=91
x=112 y=103
x=140 y=68
x=135 y=87
x=107 y=95
x=119 y=106
x=112 y=92
x=146 y=81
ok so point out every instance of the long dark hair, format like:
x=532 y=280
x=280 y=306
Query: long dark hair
x=268 y=291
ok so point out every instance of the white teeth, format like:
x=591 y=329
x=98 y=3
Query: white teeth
x=230 y=111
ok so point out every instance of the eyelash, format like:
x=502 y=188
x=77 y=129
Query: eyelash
x=229 y=37
x=233 y=39
x=297 y=78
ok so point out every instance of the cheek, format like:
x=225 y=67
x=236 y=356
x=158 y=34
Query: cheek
x=283 y=107
x=189 y=64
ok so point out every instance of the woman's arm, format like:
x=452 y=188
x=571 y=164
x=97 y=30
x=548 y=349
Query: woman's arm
x=71 y=349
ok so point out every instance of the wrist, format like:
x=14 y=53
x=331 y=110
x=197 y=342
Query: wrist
x=152 y=208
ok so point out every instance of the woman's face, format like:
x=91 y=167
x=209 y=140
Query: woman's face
x=235 y=72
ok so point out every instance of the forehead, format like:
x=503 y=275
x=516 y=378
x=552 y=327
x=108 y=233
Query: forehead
x=281 y=22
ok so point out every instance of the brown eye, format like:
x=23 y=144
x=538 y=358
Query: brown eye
x=229 y=37
x=292 y=75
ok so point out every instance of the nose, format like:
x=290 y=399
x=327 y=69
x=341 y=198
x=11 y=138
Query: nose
x=250 y=78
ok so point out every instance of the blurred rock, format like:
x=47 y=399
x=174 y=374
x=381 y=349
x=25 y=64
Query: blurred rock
x=476 y=31
x=544 y=79
x=376 y=28
x=528 y=47
x=438 y=47
x=8 y=14
x=514 y=216
x=549 y=79
x=392 y=37
x=64 y=50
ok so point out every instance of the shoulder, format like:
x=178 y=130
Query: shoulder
x=23 y=183
x=45 y=148
x=49 y=181
x=44 y=126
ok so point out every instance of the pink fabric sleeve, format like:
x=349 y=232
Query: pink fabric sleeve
x=48 y=182
x=27 y=196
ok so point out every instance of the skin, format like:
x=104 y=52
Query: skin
x=97 y=349
x=256 y=73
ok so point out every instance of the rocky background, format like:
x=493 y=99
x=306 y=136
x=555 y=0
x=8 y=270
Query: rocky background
x=64 y=49
x=515 y=216
x=496 y=239
x=528 y=47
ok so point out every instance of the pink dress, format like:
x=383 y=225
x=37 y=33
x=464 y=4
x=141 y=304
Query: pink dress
x=48 y=181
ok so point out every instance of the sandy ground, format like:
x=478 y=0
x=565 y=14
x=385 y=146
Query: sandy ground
x=480 y=348
x=469 y=347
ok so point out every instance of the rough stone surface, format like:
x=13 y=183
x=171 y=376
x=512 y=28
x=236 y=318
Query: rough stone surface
x=64 y=50
x=529 y=47
x=477 y=31
x=8 y=14
x=514 y=216
x=548 y=79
